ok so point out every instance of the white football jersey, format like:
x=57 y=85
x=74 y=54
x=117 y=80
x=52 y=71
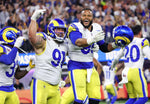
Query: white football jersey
x=133 y=53
x=48 y=64
x=82 y=54
x=7 y=71
x=109 y=75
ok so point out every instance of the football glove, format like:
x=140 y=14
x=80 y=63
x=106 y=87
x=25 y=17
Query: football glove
x=19 y=42
x=37 y=14
x=97 y=37
x=114 y=63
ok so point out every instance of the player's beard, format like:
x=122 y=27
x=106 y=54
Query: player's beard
x=88 y=25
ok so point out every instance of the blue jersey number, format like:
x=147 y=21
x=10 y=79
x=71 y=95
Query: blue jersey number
x=130 y=53
x=57 y=57
x=107 y=74
x=86 y=50
x=8 y=74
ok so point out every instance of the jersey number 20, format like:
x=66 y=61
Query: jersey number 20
x=129 y=54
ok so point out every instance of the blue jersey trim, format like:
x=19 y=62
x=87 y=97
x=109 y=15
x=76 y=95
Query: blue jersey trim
x=100 y=42
x=9 y=59
x=73 y=84
x=7 y=88
x=143 y=85
x=72 y=65
x=74 y=35
x=34 y=90
x=143 y=41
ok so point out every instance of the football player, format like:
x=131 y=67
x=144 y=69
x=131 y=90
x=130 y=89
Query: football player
x=84 y=77
x=109 y=86
x=10 y=42
x=132 y=74
x=50 y=49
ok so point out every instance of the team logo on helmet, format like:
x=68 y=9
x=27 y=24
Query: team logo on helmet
x=123 y=33
x=54 y=24
x=8 y=35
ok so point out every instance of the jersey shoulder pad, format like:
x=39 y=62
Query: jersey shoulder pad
x=144 y=43
x=2 y=49
x=73 y=27
x=42 y=34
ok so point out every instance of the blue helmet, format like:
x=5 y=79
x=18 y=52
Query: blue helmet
x=54 y=24
x=8 y=35
x=123 y=33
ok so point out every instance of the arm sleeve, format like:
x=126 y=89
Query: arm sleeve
x=103 y=46
x=74 y=35
x=8 y=59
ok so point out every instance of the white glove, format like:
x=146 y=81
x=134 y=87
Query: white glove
x=31 y=65
x=114 y=63
x=19 y=42
x=97 y=37
x=62 y=84
x=37 y=14
x=114 y=45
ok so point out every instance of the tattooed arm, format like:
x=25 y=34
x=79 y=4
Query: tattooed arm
x=37 y=41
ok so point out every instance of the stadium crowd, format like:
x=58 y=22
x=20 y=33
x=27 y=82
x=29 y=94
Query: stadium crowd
x=108 y=13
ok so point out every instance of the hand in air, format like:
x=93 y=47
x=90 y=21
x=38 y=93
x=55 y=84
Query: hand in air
x=37 y=13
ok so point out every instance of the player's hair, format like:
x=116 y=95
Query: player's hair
x=136 y=29
x=87 y=9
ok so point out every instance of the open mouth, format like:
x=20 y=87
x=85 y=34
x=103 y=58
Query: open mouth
x=86 y=22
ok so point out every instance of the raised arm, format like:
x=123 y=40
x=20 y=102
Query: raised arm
x=36 y=41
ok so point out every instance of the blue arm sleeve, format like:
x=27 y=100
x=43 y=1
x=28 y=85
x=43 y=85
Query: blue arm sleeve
x=74 y=35
x=101 y=42
x=9 y=59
